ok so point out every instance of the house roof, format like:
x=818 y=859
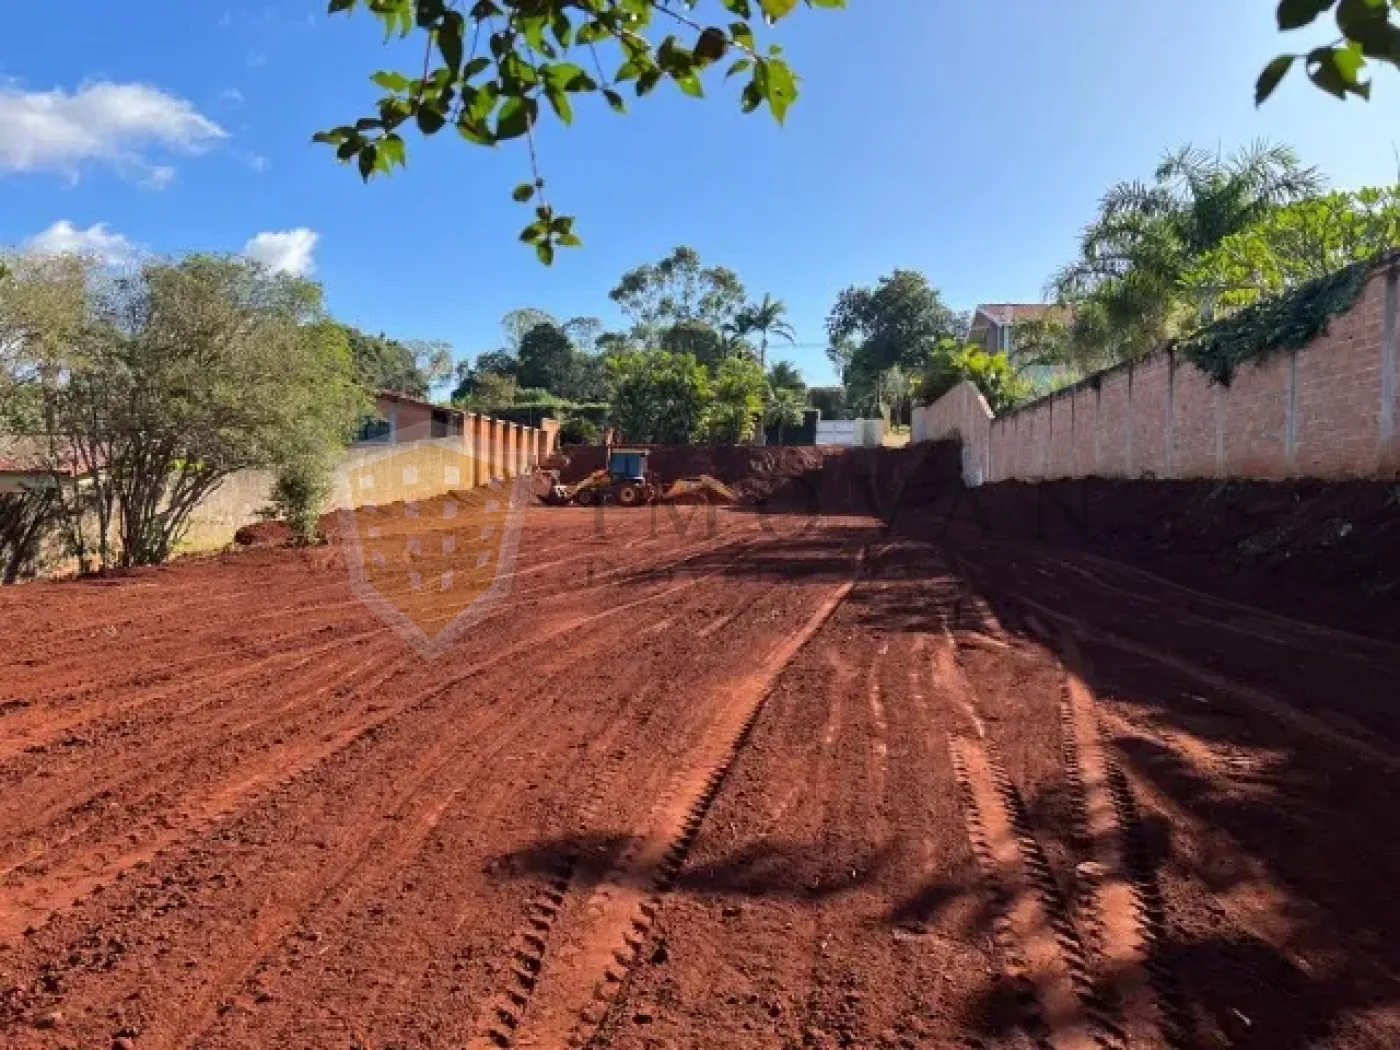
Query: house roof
x=1014 y=313
x=404 y=399
x=27 y=455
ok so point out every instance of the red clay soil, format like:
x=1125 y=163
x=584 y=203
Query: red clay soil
x=784 y=780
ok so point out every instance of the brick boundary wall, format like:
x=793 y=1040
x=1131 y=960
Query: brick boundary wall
x=1329 y=410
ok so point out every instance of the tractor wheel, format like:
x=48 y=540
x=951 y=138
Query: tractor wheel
x=631 y=495
x=586 y=498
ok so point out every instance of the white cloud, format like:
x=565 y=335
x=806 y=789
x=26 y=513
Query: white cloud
x=63 y=238
x=231 y=97
x=288 y=251
x=259 y=163
x=100 y=123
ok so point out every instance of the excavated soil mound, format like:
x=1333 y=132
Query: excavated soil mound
x=799 y=480
x=754 y=473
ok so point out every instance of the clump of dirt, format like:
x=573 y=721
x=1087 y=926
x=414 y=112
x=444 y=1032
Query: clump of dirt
x=263 y=534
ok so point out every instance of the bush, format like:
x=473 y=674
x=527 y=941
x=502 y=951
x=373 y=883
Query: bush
x=579 y=431
x=299 y=496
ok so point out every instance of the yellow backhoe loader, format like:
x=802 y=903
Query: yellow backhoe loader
x=627 y=483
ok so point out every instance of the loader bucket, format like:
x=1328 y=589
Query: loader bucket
x=700 y=489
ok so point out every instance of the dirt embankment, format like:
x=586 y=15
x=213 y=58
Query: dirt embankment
x=1329 y=551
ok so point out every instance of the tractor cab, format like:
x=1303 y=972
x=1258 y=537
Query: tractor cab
x=627 y=464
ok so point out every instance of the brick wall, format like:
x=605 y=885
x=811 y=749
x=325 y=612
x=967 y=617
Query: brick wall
x=1331 y=409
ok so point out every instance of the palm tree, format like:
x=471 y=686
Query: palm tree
x=763 y=319
x=1125 y=285
x=785 y=376
x=785 y=407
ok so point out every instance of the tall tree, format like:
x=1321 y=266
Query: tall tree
x=1126 y=284
x=764 y=319
x=697 y=338
x=785 y=376
x=658 y=397
x=546 y=359
x=896 y=322
x=168 y=380
x=658 y=295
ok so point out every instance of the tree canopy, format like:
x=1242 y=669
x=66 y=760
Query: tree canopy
x=1294 y=244
x=658 y=397
x=1126 y=284
x=491 y=69
x=677 y=289
x=157 y=385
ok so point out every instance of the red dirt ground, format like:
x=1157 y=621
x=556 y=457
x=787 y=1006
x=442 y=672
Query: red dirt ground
x=793 y=781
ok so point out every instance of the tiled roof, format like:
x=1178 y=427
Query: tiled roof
x=1014 y=313
x=23 y=455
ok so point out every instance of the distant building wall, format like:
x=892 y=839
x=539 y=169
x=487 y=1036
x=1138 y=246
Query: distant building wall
x=1328 y=410
x=238 y=500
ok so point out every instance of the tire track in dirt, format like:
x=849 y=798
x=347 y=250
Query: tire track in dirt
x=1048 y=963
x=571 y=997
x=20 y=916
x=241 y=673
x=528 y=942
x=1120 y=901
x=1252 y=698
x=153 y=660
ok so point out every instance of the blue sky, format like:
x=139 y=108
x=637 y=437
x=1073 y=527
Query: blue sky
x=969 y=141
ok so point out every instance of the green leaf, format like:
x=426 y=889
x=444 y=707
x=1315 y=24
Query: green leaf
x=569 y=240
x=615 y=100
x=474 y=130
x=368 y=157
x=516 y=116
x=430 y=119
x=476 y=66
x=647 y=81
x=1335 y=70
x=1294 y=14
x=776 y=9
x=711 y=45
x=739 y=7
x=559 y=101
x=739 y=67
x=690 y=84
x=391 y=152
x=545 y=251
x=743 y=35
x=449 y=39
x=1273 y=73
x=523 y=193
x=336 y=6
x=782 y=88
x=391 y=81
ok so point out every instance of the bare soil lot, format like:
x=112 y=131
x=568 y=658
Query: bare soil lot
x=793 y=781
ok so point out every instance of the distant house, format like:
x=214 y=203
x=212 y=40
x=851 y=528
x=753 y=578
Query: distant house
x=400 y=418
x=994 y=330
x=24 y=466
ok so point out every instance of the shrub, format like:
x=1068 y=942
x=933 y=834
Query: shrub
x=577 y=430
x=299 y=495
